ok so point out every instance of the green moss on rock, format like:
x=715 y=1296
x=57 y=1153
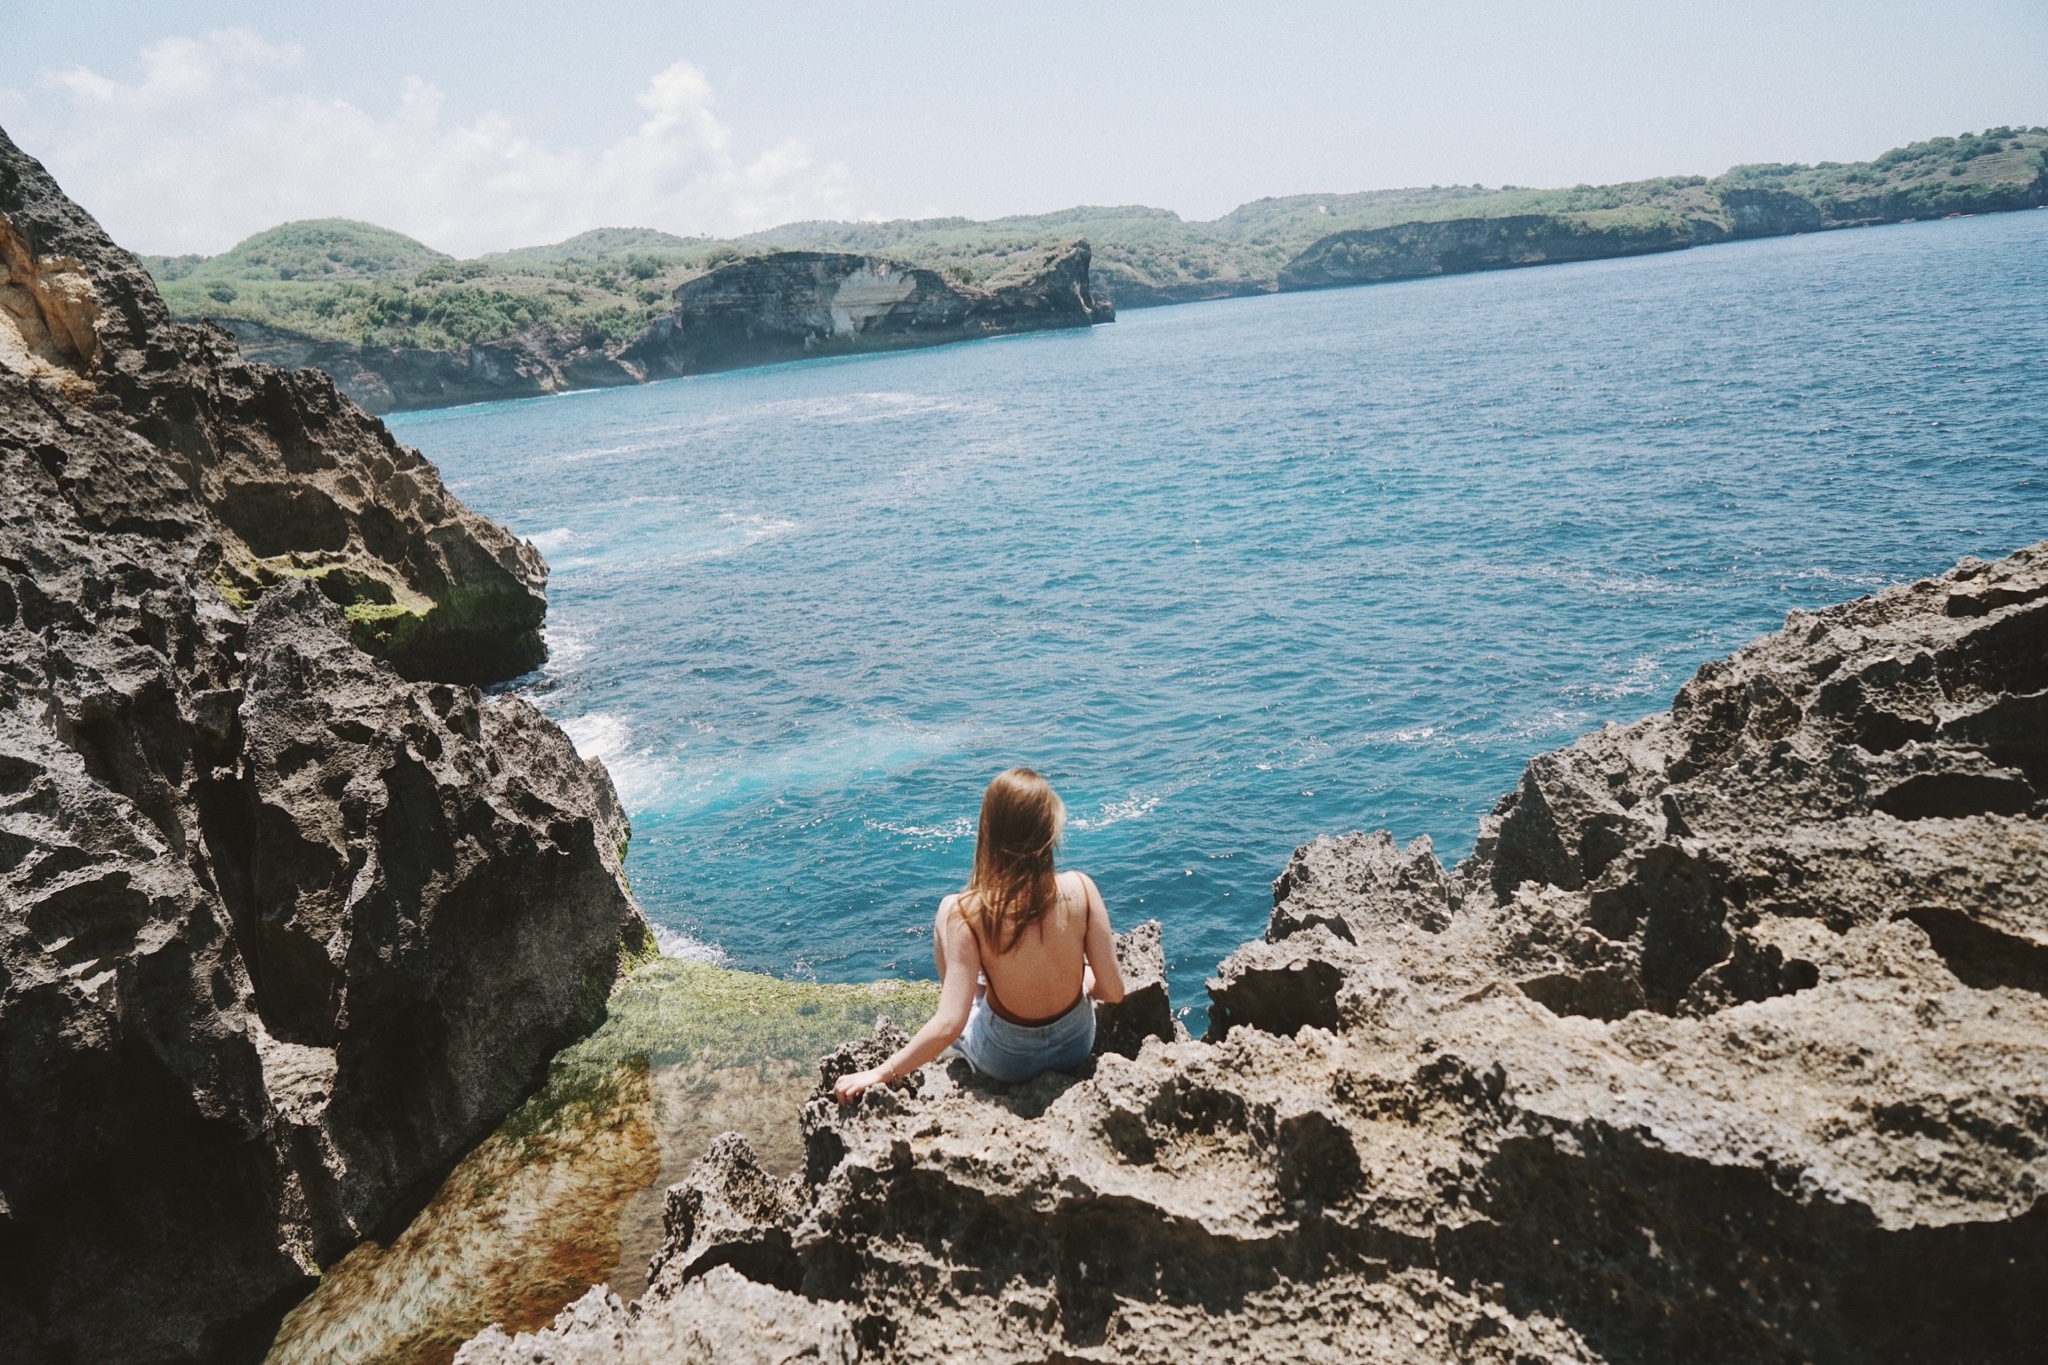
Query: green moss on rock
x=671 y=1013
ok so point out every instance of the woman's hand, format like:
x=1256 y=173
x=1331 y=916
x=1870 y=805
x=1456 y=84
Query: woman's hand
x=852 y=1086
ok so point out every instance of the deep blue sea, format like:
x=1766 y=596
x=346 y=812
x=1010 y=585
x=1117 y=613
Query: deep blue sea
x=1234 y=574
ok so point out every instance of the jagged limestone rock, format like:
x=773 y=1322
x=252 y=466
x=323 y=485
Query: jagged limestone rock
x=282 y=932
x=289 y=478
x=1454 y=246
x=727 y=1211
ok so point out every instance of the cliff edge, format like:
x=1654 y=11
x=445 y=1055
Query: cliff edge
x=290 y=913
x=1730 y=1043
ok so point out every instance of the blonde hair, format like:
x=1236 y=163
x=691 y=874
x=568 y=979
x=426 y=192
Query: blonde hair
x=1013 y=885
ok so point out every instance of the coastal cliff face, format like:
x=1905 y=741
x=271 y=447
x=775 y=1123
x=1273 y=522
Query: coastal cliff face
x=1412 y=250
x=758 y=311
x=1730 y=1043
x=1698 y=216
x=285 y=925
x=803 y=303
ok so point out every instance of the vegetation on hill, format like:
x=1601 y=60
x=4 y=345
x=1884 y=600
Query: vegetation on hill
x=1974 y=173
x=357 y=283
x=364 y=285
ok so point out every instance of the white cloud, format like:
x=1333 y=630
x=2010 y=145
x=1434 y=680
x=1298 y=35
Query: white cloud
x=215 y=139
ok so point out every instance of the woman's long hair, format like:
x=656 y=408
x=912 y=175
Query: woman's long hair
x=1012 y=886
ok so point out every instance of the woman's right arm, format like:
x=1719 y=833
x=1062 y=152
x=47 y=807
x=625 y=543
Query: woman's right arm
x=1100 y=947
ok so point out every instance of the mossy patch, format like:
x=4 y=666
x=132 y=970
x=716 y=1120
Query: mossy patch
x=670 y=1013
x=371 y=601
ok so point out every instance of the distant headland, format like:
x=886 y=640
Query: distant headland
x=400 y=325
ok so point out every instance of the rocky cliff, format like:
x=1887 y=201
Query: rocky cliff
x=802 y=303
x=1412 y=250
x=1695 y=216
x=1730 y=1043
x=782 y=306
x=285 y=925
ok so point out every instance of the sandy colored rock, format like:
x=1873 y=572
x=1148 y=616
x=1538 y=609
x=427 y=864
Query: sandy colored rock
x=1145 y=1011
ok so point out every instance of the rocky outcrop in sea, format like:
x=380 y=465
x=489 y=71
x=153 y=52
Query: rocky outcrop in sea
x=786 y=305
x=1729 y=1043
x=291 y=914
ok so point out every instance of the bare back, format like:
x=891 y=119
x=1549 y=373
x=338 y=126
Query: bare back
x=1041 y=977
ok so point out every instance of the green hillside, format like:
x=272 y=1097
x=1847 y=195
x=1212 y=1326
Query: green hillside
x=352 y=282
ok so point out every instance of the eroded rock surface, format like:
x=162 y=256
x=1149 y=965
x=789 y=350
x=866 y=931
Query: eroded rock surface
x=288 y=478
x=282 y=931
x=1729 y=1044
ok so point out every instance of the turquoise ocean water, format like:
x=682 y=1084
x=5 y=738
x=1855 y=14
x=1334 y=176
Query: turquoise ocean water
x=1234 y=574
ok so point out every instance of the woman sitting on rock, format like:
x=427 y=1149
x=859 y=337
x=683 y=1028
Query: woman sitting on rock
x=1039 y=939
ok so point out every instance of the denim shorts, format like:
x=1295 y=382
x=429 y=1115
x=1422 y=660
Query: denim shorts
x=1011 y=1052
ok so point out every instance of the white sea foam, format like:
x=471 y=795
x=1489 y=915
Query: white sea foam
x=1414 y=734
x=860 y=752
x=552 y=542
x=567 y=649
x=598 y=735
x=685 y=948
x=1645 y=675
x=875 y=406
x=744 y=529
x=959 y=827
x=640 y=776
x=1134 y=807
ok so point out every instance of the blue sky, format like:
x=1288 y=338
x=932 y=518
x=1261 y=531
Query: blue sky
x=188 y=125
